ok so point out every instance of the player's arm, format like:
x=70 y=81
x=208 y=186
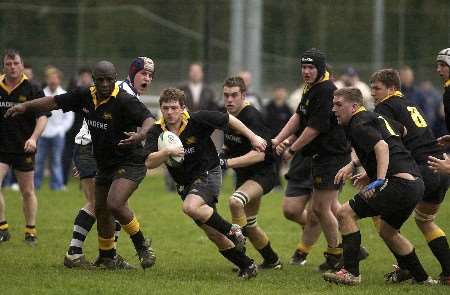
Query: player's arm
x=157 y=158
x=289 y=129
x=30 y=144
x=250 y=158
x=43 y=104
x=308 y=135
x=381 y=150
x=257 y=142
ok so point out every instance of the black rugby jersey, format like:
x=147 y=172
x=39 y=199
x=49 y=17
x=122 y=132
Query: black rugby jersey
x=446 y=101
x=107 y=121
x=365 y=130
x=195 y=134
x=237 y=145
x=314 y=110
x=419 y=139
x=14 y=132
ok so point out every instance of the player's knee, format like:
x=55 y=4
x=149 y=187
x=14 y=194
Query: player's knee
x=114 y=207
x=311 y=218
x=290 y=212
x=28 y=194
x=238 y=200
x=422 y=218
x=190 y=210
x=343 y=214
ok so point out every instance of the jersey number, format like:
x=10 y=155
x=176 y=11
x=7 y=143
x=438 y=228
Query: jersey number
x=417 y=117
x=388 y=126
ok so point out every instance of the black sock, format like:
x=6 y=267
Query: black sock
x=441 y=251
x=81 y=227
x=400 y=262
x=217 y=222
x=351 y=244
x=268 y=254
x=118 y=227
x=111 y=253
x=414 y=266
x=237 y=257
x=138 y=240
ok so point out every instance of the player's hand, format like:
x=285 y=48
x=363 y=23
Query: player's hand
x=75 y=172
x=15 y=110
x=287 y=156
x=369 y=191
x=133 y=137
x=281 y=147
x=360 y=180
x=344 y=173
x=259 y=143
x=175 y=151
x=444 y=140
x=30 y=145
x=438 y=165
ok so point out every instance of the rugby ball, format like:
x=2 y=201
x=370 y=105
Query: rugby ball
x=167 y=139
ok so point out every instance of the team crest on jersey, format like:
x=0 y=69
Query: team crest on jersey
x=22 y=98
x=107 y=116
x=317 y=180
x=191 y=140
x=121 y=171
x=28 y=160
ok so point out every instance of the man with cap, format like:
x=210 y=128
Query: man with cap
x=139 y=78
x=320 y=137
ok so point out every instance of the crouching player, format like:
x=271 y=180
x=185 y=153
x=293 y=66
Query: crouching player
x=199 y=177
x=393 y=192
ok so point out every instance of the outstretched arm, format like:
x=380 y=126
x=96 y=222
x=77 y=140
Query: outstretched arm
x=30 y=144
x=43 y=104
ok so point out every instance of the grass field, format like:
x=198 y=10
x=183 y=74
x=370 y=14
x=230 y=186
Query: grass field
x=187 y=263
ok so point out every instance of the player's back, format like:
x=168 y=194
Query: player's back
x=419 y=138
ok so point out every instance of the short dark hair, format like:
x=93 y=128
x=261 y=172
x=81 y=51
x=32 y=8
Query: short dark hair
x=83 y=70
x=388 y=77
x=172 y=94
x=11 y=54
x=352 y=94
x=235 y=82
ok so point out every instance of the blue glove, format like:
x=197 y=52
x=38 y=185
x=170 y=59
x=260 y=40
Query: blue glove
x=375 y=185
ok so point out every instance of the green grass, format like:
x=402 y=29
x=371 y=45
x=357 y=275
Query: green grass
x=187 y=263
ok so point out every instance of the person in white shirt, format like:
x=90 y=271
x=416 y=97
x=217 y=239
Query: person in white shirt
x=51 y=143
x=140 y=76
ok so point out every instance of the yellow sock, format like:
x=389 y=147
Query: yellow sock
x=240 y=220
x=304 y=248
x=30 y=230
x=434 y=235
x=4 y=226
x=334 y=251
x=260 y=241
x=132 y=227
x=106 y=243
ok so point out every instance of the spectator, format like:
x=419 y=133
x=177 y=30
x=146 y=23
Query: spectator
x=411 y=91
x=84 y=79
x=278 y=114
x=199 y=96
x=250 y=96
x=433 y=100
x=51 y=143
x=350 y=78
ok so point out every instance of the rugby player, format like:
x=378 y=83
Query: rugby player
x=113 y=116
x=420 y=141
x=18 y=137
x=255 y=170
x=322 y=139
x=199 y=177
x=393 y=192
x=139 y=78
